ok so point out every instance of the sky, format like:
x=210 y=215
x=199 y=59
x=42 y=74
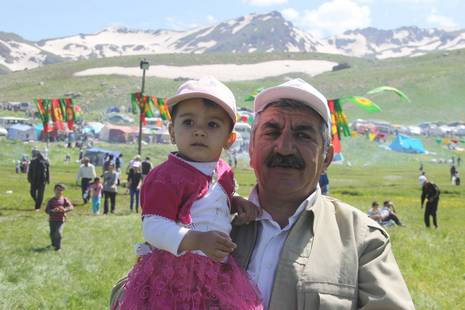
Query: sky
x=35 y=20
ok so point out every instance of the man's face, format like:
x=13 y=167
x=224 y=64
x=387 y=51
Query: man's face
x=200 y=131
x=287 y=152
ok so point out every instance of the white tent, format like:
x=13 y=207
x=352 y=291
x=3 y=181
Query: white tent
x=21 y=132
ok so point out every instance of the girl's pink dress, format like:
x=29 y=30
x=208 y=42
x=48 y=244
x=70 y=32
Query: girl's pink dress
x=161 y=280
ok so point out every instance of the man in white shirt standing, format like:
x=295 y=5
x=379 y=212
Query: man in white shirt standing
x=307 y=250
x=86 y=174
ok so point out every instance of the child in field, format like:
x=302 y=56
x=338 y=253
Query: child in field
x=186 y=212
x=57 y=207
x=95 y=190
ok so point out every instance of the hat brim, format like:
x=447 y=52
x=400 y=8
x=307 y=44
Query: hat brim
x=273 y=94
x=171 y=102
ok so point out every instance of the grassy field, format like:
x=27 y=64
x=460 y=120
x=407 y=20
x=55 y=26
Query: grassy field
x=433 y=82
x=97 y=250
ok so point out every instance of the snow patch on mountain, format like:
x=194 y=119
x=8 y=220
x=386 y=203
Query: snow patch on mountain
x=223 y=72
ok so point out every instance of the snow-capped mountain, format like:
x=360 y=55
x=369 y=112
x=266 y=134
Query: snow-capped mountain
x=404 y=41
x=248 y=34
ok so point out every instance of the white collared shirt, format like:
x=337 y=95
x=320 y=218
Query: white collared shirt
x=270 y=241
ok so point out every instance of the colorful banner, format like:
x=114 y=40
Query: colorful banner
x=146 y=106
x=58 y=110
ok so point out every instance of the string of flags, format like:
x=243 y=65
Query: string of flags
x=339 y=122
x=147 y=104
x=59 y=111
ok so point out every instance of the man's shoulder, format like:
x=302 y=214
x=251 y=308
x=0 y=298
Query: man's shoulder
x=350 y=216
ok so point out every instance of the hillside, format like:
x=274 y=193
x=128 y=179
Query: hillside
x=433 y=82
x=253 y=33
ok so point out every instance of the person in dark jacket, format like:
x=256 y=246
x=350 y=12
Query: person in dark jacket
x=430 y=192
x=38 y=176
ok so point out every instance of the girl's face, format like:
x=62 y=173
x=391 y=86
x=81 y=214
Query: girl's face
x=201 y=131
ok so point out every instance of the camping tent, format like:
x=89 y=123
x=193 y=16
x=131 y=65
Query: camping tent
x=93 y=128
x=406 y=144
x=21 y=132
x=118 y=134
x=96 y=155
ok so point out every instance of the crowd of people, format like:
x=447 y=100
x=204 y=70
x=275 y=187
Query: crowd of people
x=284 y=248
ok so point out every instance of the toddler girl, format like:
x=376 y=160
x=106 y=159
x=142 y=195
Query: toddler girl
x=95 y=190
x=186 y=212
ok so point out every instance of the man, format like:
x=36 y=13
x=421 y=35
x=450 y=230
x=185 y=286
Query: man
x=430 y=192
x=146 y=167
x=38 y=175
x=422 y=178
x=306 y=250
x=86 y=174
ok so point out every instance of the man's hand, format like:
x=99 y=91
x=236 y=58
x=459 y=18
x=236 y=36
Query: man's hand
x=214 y=244
x=246 y=210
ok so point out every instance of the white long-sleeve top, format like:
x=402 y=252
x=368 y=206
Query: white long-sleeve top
x=211 y=212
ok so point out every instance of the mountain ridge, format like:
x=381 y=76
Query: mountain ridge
x=253 y=33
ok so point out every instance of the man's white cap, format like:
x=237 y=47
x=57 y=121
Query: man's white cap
x=208 y=88
x=296 y=89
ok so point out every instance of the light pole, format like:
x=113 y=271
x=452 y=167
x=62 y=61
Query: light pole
x=144 y=65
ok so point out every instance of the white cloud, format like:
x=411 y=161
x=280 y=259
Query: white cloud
x=264 y=2
x=290 y=13
x=441 y=21
x=332 y=17
x=174 y=23
x=211 y=19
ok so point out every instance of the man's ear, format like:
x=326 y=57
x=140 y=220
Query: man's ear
x=329 y=157
x=232 y=138
x=171 y=131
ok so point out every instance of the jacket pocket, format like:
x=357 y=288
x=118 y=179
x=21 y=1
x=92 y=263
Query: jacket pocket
x=326 y=296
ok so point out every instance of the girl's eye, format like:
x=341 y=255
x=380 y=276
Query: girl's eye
x=213 y=125
x=187 y=122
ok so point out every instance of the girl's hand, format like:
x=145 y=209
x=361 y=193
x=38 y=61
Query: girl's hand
x=214 y=244
x=246 y=210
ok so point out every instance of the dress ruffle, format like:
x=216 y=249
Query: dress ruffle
x=161 y=280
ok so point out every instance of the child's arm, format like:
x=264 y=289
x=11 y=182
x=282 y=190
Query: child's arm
x=246 y=210
x=215 y=244
x=165 y=234
x=67 y=206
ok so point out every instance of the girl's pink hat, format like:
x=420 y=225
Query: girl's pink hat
x=208 y=88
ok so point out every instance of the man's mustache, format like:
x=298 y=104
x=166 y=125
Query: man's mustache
x=285 y=161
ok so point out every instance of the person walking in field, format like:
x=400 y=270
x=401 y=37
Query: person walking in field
x=86 y=174
x=146 y=167
x=96 y=189
x=430 y=192
x=57 y=207
x=110 y=181
x=134 y=184
x=38 y=176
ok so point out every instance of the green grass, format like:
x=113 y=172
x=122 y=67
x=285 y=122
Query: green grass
x=433 y=82
x=97 y=250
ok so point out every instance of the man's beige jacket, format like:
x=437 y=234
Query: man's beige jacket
x=334 y=257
